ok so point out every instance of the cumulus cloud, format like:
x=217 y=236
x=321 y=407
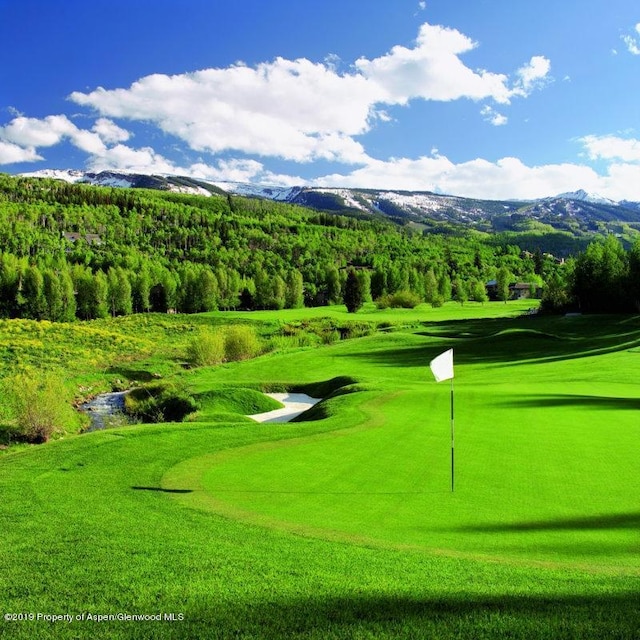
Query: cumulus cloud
x=633 y=41
x=31 y=133
x=492 y=116
x=231 y=170
x=121 y=157
x=34 y=132
x=612 y=148
x=432 y=70
x=480 y=178
x=11 y=153
x=532 y=75
x=296 y=110
x=304 y=111
x=109 y=131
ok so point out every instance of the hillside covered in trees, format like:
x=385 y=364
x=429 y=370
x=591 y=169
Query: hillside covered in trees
x=78 y=251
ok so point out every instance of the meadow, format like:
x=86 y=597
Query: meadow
x=343 y=524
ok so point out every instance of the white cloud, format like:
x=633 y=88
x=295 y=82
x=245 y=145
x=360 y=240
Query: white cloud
x=34 y=132
x=296 y=110
x=506 y=178
x=31 y=133
x=611 y=147
x=432 y=70
x=303 y=111
x=632 y=45
x=11 y=153
x=532 y=75
x=622 y=182
x=124 y=158
x=109 y=131
x=233 y=170
x=632 y=42
x=492 y=116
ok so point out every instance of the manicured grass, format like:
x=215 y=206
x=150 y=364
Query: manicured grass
x=546 y=449
x=345 y=527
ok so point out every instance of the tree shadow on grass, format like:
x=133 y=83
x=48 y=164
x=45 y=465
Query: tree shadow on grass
x=463 y=616
x=161 y=490
x=598 y=522
x=139 y=375
x=505 y=341
x=557 y=400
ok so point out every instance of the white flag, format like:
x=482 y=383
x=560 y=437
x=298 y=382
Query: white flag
x=442 y=366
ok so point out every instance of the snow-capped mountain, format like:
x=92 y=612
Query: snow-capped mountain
x=284 y=194
x=567 y=211
x=583 y=196
x=124 y=179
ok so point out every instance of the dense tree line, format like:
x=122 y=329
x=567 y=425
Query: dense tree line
x=78 y=251
x=603 y=279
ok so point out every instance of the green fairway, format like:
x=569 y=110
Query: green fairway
x=344 y=525
x=547 y=447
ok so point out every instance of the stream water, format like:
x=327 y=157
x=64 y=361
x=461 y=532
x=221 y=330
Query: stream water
x=103 y=408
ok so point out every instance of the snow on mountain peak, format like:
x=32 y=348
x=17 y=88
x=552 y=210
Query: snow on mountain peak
x=585 y=196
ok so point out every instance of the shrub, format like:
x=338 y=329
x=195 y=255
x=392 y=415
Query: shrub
x=329 y=337
x=400 y=299
x=159 y=403
x=206 y=349
x=241 y=342
x=37 y=407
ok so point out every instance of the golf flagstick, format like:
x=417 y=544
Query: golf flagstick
x=442 y=368
x=453 y=466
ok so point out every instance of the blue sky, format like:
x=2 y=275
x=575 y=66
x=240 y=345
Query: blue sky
x=482 y=98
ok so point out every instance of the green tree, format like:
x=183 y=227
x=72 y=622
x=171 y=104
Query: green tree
x=68 y=311
x=365 y=284
x=503 y=280
x=32 y=301
x=460 y=289
x=353 y=296
x=100 y=295
x=378 y=282
x=10 y=283
x=53 y=295
x=334 y=289
x=430 y=286
x=119 y=292
x=601 y=277
x=444 y=288
x=479 y=291
x=634 y=274
x=294 y=297
x=163 y=293
x=141 y=291
x=556 y=296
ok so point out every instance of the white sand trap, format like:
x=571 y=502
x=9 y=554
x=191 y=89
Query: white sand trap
x=294 y=405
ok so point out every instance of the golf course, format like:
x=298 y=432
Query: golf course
x=343 y=523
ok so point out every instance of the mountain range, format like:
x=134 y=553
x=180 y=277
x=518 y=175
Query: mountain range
x=577 y=212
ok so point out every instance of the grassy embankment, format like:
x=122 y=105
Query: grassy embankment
x=345 y=526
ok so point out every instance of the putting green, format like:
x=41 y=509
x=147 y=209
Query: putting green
x=557 y=486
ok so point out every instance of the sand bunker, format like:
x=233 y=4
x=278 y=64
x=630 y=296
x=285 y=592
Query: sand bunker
x=294 y=405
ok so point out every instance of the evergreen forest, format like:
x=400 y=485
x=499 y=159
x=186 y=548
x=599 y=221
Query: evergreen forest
x=73 y=251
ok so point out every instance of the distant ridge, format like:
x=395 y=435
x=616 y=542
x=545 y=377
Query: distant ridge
x=584 y=196
x=576 y=211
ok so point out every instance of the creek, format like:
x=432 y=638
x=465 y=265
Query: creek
x=103 y=409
